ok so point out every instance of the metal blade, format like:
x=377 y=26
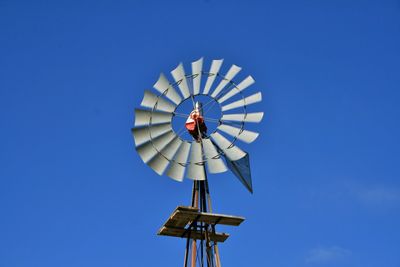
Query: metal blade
x=196 y=72
x=159 y=164
x=243 y=135
x=151 y=100
x=247 y=117
x=179 y=75
x=214 y=69
x=195 y=169
x=240 y=87
x=228 y=77
x=257 y=97
x=178 y=165
x=161 y=161
x=170 y=150
x=163 y=85
x=145 y=134
x=142 y=117
x=150 y=149
x=213 y=160
x=230 y=150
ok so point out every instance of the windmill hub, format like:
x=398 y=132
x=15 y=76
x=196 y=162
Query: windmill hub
x=208 y=109
x=195 y=123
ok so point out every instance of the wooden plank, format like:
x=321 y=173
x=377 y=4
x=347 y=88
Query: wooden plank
x=187 y=208
x=194 y=234
x=209 y=218
x=179 y=222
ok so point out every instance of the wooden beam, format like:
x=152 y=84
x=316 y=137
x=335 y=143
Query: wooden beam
x=194 y=234
x=176 y=221
x=180 y=217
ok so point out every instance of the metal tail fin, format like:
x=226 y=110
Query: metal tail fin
x=241 y=169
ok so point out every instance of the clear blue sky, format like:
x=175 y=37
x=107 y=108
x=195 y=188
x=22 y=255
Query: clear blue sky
x=74 y=192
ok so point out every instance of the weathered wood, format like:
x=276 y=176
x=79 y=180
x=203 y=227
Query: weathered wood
x=180 y=216
x=187 y=208
x=177 y=221
x=194 y=234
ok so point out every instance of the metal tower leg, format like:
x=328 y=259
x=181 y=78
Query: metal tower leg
x=201 y=199
x=193 y=250
x=216 y=250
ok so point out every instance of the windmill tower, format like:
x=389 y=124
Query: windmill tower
x=209 y=146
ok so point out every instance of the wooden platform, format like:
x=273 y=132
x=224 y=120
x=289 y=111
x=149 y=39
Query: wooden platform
x=179 y=222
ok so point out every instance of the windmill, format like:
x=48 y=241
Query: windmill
x=200 y=144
